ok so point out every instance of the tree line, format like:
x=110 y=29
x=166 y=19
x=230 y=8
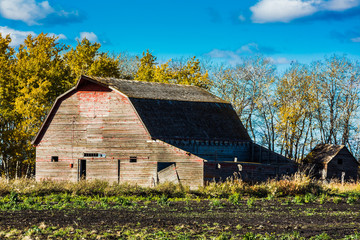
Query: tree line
x=291 y=112
x=288 y=112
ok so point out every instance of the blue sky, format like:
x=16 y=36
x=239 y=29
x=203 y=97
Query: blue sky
x=284 y=30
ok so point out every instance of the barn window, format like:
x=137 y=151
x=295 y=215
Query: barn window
x=340 y=161
x=54 y=158
x=133 y=159
x=95 y=155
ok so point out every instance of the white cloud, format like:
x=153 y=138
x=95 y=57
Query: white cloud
x=89 y=36
x=357 y=39
x=341 y=5
x=17 y=37
x=280 y=60
x=281 y=10
x=59 y=36
x=235 y=57
x=242 y=18
x=287 y=10
x=229 y=56
x=28 y=11
x=248 y=48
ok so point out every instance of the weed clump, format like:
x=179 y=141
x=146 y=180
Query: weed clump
x=297 y=184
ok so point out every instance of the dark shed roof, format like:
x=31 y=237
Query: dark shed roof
x=323 y=153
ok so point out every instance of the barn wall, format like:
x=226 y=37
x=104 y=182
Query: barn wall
x=247 y=171
x=215 y=150
x=95 y=119
x=348 y=165
x=263 y=155
x=224 y=159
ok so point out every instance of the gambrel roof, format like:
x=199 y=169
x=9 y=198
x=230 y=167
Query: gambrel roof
x=158 y=91
x=174 y=111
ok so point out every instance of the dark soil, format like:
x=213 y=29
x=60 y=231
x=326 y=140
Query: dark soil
x=337 y=220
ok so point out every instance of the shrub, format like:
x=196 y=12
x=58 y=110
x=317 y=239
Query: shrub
x=163 y=200
x=216 y=203
x=250 y=202
x=322 y=198
x=309 y=198
x=235 y=199
x=337 y=200
x=298 y=199
x=352 y=199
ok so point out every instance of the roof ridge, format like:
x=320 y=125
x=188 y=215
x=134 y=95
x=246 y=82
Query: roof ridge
x=158 y=90
x=140 y=81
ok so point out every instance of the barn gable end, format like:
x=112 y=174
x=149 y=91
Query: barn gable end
x=99 y=127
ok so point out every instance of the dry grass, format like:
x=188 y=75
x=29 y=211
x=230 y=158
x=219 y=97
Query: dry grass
x=297 y=184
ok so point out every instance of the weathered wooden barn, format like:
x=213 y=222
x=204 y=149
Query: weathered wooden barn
x=327 y=161
x=148 y=133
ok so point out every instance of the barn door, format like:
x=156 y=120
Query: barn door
x=118 y=171
x=166 y=172
x=82 y=169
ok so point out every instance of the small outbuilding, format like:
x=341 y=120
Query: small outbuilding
x=327 y=161
x=148 y=133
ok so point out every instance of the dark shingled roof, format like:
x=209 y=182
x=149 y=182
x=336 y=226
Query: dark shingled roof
x=160 y=91
x=323 y=153
x=168 y=119
x=174 y=111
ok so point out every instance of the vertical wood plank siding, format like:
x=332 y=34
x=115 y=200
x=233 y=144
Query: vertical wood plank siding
x=348 y=165
x=95 y=119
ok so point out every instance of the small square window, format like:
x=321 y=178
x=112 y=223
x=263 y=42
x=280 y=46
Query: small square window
x=54 y=158
x=133 y=159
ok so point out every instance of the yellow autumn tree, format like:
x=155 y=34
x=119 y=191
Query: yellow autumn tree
x=86 y=59
x=8 y=117
x=189 y=73
x=296 y=101
x=41 y=75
